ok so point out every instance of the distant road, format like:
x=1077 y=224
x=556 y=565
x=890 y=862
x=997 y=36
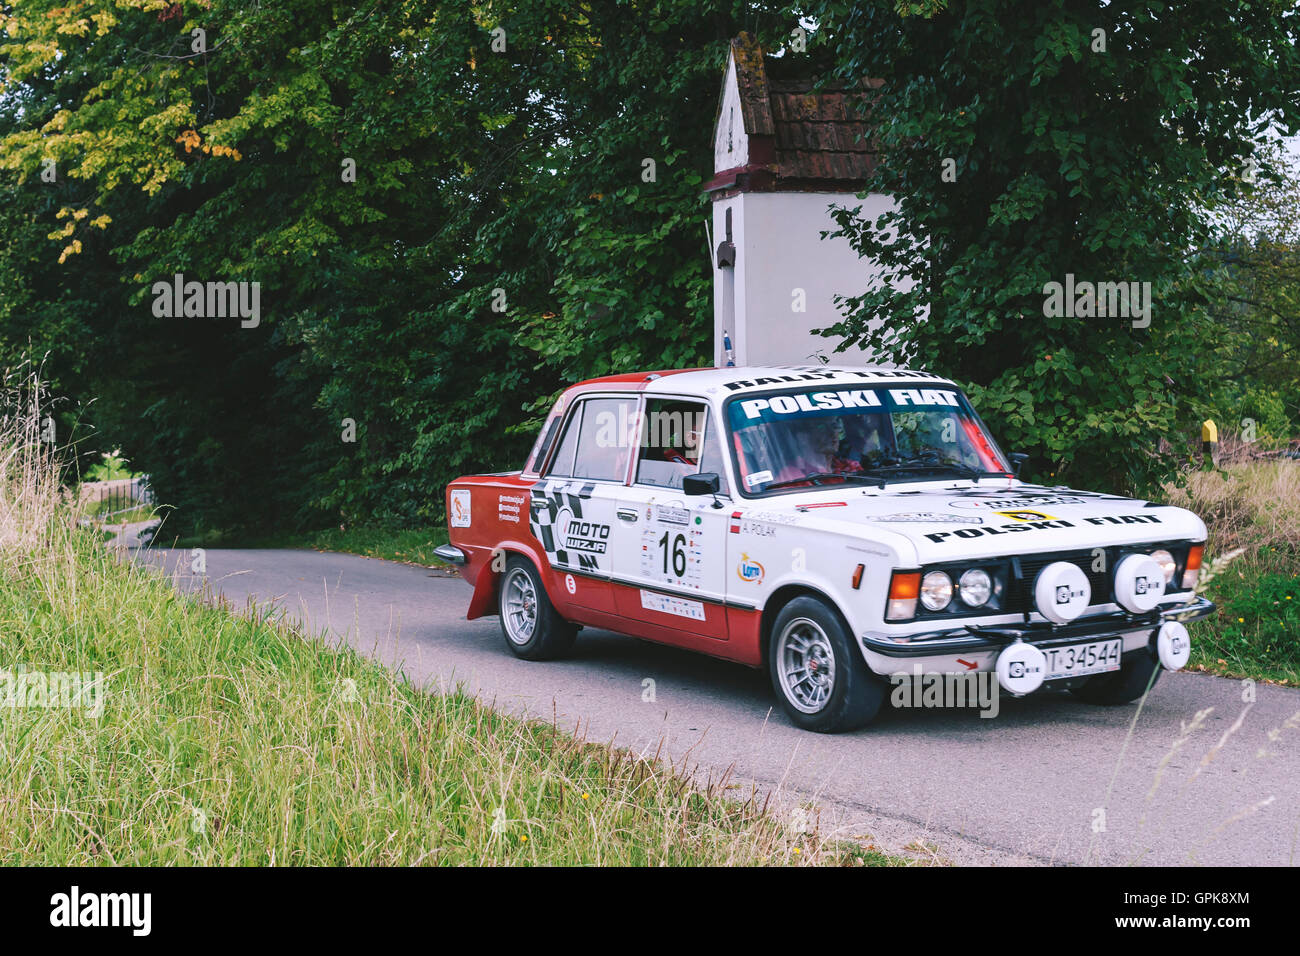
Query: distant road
x=1021 y=787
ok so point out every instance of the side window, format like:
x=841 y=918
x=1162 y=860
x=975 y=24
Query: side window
x=604 y=446
x=562 y=465
x=676 y=441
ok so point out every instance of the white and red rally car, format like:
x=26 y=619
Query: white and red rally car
x=834 y=525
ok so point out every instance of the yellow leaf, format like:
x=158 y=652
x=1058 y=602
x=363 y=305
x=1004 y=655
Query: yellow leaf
x=71 y=249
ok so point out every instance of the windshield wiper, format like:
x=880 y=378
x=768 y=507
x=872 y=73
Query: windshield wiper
x=878 y=474
x=819 y=476
x=894 y=466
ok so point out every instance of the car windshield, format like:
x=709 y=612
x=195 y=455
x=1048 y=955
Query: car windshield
x=806 y=438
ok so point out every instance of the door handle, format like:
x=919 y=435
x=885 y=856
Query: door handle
x=626 y=514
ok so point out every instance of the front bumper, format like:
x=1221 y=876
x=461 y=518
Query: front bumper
x=974 y=639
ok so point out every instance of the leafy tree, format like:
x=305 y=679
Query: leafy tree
x=1027 y=142
x=1252 y=367
x=445 y=206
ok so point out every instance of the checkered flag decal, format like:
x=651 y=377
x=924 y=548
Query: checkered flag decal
x=547 y=499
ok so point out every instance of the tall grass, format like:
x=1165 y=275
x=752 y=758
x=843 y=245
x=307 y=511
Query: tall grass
x=228 y=739
x=1252 y=567
x=1250 y=504
x=30 y=496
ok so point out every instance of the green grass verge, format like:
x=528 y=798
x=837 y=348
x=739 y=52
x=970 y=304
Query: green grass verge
x=1256 y=632
x=1252 y=511
x=227 y=740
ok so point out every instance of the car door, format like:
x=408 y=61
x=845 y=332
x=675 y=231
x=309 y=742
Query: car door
x=670 y=550
x=571 y=510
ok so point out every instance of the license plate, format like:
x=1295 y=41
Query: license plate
x=1078 y=660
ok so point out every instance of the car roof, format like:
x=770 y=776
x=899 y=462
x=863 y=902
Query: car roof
x=706 y=382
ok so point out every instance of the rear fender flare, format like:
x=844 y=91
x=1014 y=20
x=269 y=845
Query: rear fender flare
x=484 y=601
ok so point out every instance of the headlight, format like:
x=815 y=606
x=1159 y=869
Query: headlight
x=936 y=590
x=1166 y=562
x=976 y=587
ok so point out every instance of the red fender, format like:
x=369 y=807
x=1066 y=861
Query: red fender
x=478 y=568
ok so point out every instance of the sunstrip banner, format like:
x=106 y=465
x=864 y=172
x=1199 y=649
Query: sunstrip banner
x=771 y=408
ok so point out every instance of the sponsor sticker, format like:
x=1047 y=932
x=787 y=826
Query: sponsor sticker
x=927 y=517
x=924 y=397
x=667 y=604
x=671 y=514
x=1014 y=503
x=774 y=517
x=836 y=401
x=1027 y=515
x=460 y=508
x=749 y=570
x=1124 y=519
x=582 y=535
x=765 y=408
x=758 y=478
x=945 y=537
x=816 y=375
x=509 y=507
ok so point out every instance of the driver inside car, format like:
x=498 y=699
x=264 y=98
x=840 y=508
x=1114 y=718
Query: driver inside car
x=822 y=446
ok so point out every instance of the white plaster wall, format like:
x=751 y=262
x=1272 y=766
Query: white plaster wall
x=731 y=127
x=779 y=249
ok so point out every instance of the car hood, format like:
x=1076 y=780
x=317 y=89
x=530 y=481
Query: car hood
x=989 y=518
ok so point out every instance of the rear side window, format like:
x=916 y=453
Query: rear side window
x=604 y=448
x=596 y=443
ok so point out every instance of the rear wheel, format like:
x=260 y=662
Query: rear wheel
x=1136 y=674
x=532 y=627
x=817 y=672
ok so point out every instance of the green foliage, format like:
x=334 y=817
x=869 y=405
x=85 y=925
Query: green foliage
x=1254 y=632
x=520 y=170
x=1251 y=377
x=1068 y=160
x=109 y=468
x=519 y=176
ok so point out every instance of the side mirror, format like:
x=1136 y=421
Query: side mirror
x=705 y=483
x=1018 y=458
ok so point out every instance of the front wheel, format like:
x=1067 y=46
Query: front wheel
x=817 y=672
x=1134 y=677
x=533 y=628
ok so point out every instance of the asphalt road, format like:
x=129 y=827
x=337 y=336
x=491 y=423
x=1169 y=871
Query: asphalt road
x=1026 y=786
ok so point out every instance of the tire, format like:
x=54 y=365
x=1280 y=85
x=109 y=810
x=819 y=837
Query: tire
x=1125 y=685
x=845 y=694
x=532 y=628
